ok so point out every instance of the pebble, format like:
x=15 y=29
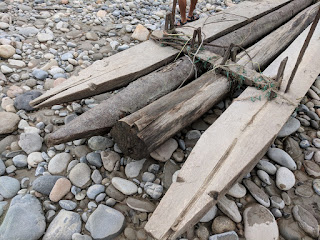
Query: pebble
x=7 y=51
x=266 y=166
x=44 y=184
x=316 y=186
x=304 y=191
x=312 y=168
x=306 y=221
x=291 y=126
x=9 y=122
x=105 y=223
x=40 y=74
x=257 y=193
x=9 y=186
x=225 y=236
x=59 y=163
x=140 y=205
x=148 y=177
x=282 y=158
x=30 y=142
x=24 y=219
x=94 y=190
x=264 y=177
x=153 y=190
x=222 y=224
x=277 y=202
x=2 y=167
x=230 y=209
x=63 y=226
x=141 y=33
x=285 y=179
x=209 y=215
x=133 y=168
x=34 y=159
x=99 y=143
x=165 y=151
x=94 y=159
x=80 y=175
x=125 y=186
x=61 y=187
x=67 y=205
x=237 y=191
x=109 y=160
x=259 y=223
x=44 y=37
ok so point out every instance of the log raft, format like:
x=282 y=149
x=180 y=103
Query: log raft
x=101 y=118
x=244 y=131
x=145 y=130
x=119 y=69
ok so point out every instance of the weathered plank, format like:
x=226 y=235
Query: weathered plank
x=143 y=131
x=255 y=30
x=124 y=67
x=240 y=137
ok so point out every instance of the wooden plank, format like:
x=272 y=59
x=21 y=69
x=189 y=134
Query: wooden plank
x=243 y=134
x=124 y=67
x=232 y=18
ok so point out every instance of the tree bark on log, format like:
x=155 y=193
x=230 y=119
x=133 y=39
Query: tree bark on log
x=143 y=131
x=259 y=28
x=101 y=118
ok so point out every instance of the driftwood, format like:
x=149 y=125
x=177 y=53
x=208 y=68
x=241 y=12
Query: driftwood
x=135 y=96
x=143 y=131
x=124 y=67
x=101 y=118
x=240 y=137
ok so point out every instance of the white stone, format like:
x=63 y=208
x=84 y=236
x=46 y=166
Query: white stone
x=285 y=179
x=125 y=186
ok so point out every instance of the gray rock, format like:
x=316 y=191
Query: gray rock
x=67 y=205
x=30 y=142
x=304 y=144
x=304 y=191
x=290 y=230
x=291 y=126
x=24 y=219
x=277 y=202
x=105 y=223
x=148 y=177
x=40 y=74
x=78 y=236
x=306 y=221
x=153 y=190
x=266 y=166
x=9 y=122
x=164 y=152
x=232 y=235
x=80 y=175
x=264 y=177
x=257 y=193
x=230 y=209
x=292 y=147
x=99 y=143
x=209 y=215
x=109 y=160
x=59 y=163
x=282 y=158
x=9 y=186
x=44 y=37
x=140 y=205
x=96 y=176
x=2 y=167
x=44 y=184
x=22 y=101
x=19 y=161
x=125 y=186
x=237 y=191
x=133 y=168
x=63 y=226
x=285 y=179
x=312 y=168
x=170 y=167
x=259 y=223
x=66 y=56
x=27 y=31
x=94 y=159
x=316 y=186
x=94 y=190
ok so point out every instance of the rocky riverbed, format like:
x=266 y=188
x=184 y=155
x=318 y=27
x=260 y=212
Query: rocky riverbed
x=87 y=189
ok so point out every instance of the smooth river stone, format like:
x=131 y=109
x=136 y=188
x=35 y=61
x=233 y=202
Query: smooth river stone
x=230 y=209
x=285 y=179
x=257 y=193
x=259 y=223
x=125 y=186
x=306 y=221
x=291 y=126
x=281 y=157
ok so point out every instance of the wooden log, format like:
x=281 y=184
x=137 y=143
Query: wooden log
x=259 y=28
x=104 y=116
x=135 y=96
x=143 y=131
x=124 y=67
x=244 y=131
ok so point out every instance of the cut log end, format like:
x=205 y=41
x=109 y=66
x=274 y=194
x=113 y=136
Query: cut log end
x=128 y=141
